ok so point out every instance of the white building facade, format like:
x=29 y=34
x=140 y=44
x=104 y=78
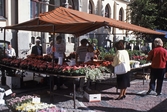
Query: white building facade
x=17 y=11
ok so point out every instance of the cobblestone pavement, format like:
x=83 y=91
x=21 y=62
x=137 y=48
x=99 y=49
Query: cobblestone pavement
x=136 y=99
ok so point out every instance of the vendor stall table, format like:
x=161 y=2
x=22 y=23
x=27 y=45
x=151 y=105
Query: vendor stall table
x=141 y=69
x=51 y=80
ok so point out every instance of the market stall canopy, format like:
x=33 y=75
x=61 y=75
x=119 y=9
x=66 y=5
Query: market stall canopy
x=163 y=31
x=64 y=20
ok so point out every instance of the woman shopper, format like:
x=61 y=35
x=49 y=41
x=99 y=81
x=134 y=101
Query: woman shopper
x=123 y=80
x=158 y=58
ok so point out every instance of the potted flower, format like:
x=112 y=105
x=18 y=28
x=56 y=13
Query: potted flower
x=78 y=70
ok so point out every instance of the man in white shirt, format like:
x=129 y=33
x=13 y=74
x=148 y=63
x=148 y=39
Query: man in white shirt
x=59 y=49
x=10 y=52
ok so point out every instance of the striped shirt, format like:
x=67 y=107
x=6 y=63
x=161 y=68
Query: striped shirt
x=81 y=51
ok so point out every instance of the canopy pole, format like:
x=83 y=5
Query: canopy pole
x=53 y=61
x=53 y=37
x=4 y=40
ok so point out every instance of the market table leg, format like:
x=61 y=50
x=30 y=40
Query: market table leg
x=51 y=89
x=74 y=95
x=143 y=75
x=3 y=78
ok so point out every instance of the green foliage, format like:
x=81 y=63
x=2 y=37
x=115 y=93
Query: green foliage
x=165 y=45
x=142 y=62
x=149 y=13
x=104 y=54
x=95 y=41
x=134 y=53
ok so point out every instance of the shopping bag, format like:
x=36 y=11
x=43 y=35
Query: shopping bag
x=121 y=69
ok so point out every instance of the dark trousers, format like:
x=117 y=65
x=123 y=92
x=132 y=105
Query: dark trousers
x=157 y=74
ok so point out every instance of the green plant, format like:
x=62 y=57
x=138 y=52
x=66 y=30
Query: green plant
x=94 y=73
x=95 y=41
x=104 y=53
x=142 y=62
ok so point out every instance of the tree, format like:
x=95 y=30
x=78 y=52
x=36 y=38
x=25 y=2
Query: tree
x=149 y=13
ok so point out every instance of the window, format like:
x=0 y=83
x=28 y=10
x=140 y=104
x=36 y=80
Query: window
x=107 y=11
x=50 y=39
x=2 y=8
x=69 y=40
x=121 y=14
x=90 y=7
x=71 y=4
x=72 y=40
x=33 y=40
x=34 y=9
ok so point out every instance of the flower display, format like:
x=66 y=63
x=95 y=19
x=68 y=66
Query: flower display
x=78 y=70
x=138 y=57
x=7 y=61
x=25 y=104
x=15 y=62
x=14 y=102
x=92 y=69
x=24 y=64
x=95 y=72
x=106 y=63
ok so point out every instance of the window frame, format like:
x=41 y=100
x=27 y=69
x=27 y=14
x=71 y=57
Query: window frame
x=90 y=7
x=34 y=9
x=107 y=10
x=121 y=14
x=2 y=10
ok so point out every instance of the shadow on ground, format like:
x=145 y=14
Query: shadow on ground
x=111 y=109
x=162 y=107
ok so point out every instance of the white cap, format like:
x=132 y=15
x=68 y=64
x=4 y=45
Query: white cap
x=38 y=40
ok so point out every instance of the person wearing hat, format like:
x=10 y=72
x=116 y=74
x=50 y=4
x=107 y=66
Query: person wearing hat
x=37 y=49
